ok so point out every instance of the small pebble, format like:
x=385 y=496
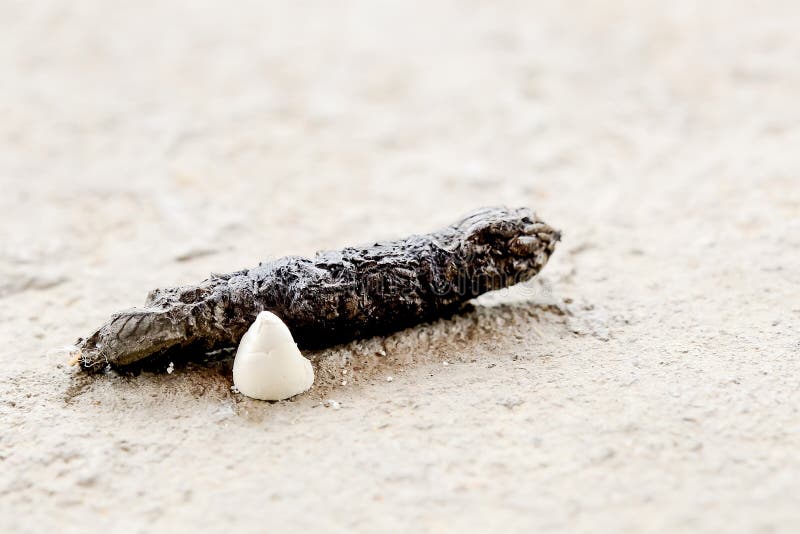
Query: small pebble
x=389 y=378
x=330 y=403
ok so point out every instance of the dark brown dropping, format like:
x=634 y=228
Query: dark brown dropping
x=336 y=296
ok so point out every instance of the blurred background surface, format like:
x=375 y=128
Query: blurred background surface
x=147 y=144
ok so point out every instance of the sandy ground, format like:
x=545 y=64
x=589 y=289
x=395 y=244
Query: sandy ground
x=648 y=381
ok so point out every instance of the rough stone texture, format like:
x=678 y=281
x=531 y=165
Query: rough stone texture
x=334 y=297
x=647 y=380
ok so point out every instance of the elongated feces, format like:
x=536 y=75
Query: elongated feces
x=336 y=296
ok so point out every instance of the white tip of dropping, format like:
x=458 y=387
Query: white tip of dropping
x=268 y=364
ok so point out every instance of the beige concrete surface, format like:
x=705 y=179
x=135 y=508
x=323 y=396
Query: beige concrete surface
x=647 y=382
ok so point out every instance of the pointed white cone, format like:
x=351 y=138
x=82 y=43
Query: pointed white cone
x=268 y=364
